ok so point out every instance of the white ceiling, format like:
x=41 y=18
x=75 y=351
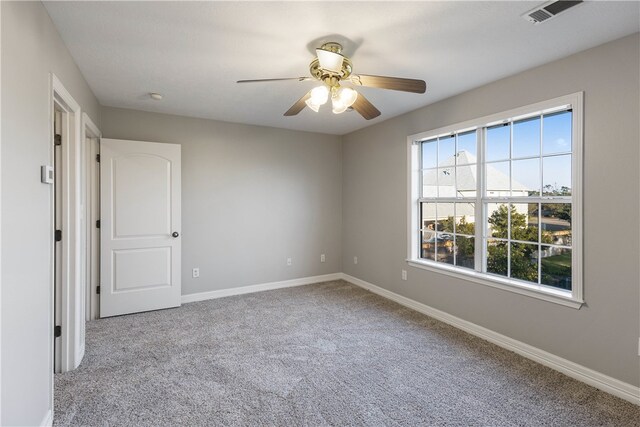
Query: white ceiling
x=194 y=52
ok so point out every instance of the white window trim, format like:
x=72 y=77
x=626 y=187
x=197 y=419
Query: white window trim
x=572 y=299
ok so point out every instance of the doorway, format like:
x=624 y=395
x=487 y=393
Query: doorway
x=67 y=337
x=68 y=229
x=132 y=264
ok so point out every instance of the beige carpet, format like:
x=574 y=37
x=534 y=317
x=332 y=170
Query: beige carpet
x=325 y=354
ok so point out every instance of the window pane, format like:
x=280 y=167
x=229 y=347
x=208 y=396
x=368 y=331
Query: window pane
x=428 y=245
x=525 y=178
x=556 y=223
x=447 y=182
x=556 y=173
x=447 y=150
x=445 y=248
x=497 y=257
x=498 y=138
x=465 y=252
x=556 y=267
x=467 y=148
x=445 y=217
x=428 y=216
x=430 y=183
x=497 y=179
x=428 y=233
x=465 y=225
x=465 y=219
x=430 y=153
x=557 y=132
x=524 y=262
x=466 y=181
x=524 y=222
x=526 y=137
x=497 y=220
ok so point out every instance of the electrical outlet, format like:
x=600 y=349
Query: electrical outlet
x=195 y=273
x=289 y=261
x=355 y=259
x=322 y=258
x=404 y=274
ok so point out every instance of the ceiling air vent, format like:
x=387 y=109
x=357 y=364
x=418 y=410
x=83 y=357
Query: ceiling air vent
x=549 y=10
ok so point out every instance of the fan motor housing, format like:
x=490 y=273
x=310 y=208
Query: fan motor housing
x=322 y=74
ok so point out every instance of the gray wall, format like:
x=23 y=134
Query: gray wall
x=603 y=335
x=251 y=197
x=31 y=49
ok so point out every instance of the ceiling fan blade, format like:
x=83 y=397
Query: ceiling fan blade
x=300 y=79
x=298 y=106
x=365 y=108
x=393 y=83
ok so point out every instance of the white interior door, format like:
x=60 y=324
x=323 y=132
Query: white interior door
x=140 y=225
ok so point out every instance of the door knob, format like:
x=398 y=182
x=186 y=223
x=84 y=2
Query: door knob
x=175 y=234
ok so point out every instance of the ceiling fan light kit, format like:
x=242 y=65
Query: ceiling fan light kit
x=331 y=67
x=318 y=96
x=342 y=99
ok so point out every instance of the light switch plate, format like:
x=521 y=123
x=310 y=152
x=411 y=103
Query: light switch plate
x=46 y=174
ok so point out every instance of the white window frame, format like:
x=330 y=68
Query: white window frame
x=573 y=298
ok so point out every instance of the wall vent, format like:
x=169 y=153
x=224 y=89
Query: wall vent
x=549 y=10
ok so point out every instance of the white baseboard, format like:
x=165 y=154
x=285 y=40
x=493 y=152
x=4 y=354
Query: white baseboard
x=47 y=421
x=596 y=379
x=201 y=296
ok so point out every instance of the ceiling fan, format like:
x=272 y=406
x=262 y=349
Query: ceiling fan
x=331 y=68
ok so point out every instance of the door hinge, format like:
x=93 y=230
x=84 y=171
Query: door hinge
x=98 y=290
x=58 y=235
x=57 y=331
x=57 y=139
x=97 y=157
x=98 y=224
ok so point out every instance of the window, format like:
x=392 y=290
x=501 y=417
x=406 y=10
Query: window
x=497 y=200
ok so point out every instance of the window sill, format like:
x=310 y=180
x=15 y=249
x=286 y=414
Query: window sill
x=551 y=295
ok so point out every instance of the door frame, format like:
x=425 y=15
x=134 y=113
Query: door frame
x=91 y=201
x=72 y=302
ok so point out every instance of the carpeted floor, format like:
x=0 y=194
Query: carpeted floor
x=325 y=354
